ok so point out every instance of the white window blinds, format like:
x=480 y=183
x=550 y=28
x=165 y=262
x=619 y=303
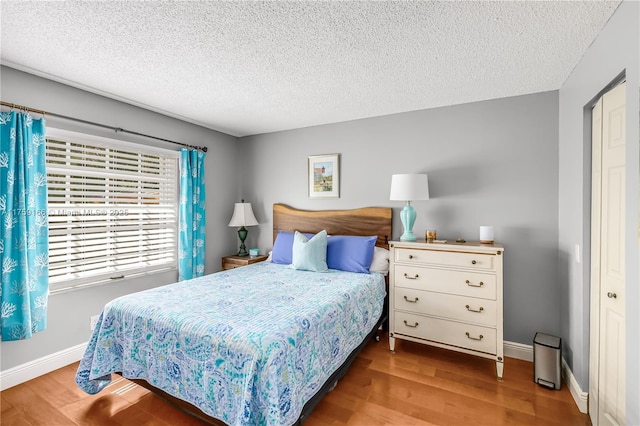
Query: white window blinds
x=113 y=211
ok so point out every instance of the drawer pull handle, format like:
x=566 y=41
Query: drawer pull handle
x=474 y=285
x=411 y=301
x=612 y=295
x=474 y=310
x=415 y=277
x=472 y=338
x=473 y=262
x=410 y=256
x=412 y=326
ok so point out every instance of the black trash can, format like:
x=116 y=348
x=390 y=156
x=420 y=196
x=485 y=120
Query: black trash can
x=547 y=356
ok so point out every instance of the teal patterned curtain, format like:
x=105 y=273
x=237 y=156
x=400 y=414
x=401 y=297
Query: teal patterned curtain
x=192 y=219
x=24 y=227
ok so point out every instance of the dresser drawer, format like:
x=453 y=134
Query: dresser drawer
x=444 y=281
x=461 y=308
x=458 y=334
x=480 y=262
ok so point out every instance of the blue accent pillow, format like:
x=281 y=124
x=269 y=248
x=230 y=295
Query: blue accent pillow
x=310 y=254
x=282 y=247
x=350 y=253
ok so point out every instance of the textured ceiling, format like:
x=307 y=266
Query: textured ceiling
x=254 y=67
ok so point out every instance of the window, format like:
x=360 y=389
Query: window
x=112 y=207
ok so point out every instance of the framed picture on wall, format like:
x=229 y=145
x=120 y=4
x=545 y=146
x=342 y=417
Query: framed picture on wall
x=324 y=176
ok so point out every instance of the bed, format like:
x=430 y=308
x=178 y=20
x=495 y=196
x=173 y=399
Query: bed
x=259 y=344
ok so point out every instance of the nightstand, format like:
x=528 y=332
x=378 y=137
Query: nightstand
x=232 y=262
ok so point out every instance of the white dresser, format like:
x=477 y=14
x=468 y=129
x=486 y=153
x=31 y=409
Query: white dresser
x=447 y=295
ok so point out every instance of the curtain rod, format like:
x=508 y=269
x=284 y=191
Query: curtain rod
x=104 y=126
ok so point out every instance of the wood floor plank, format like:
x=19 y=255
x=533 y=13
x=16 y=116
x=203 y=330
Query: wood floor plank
x=151 y=403
x=5 y=405
x=332 y=414
x=378 y=414
x=476 y=388
x=428 y=411
x=484 y=388
x=133 y=415
x=13 y=417
x=456 y=385
x=418 y=385
x=49 y=389
x=33 y=409
x=65 y=378
x=448 y=407
x=96 y=410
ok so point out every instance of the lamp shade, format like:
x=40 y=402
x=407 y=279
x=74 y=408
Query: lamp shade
x=243 y=215
x=409 y=187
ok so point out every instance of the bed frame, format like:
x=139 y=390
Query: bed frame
x=365 y=221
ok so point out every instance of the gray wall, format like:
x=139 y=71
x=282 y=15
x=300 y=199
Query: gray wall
x=615 y=49
x=69 y=313
x=489 y=163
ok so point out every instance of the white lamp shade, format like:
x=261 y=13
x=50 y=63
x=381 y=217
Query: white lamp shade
x=409 y=187
x=243 y=215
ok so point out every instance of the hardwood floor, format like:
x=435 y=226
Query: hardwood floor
x=418 y=385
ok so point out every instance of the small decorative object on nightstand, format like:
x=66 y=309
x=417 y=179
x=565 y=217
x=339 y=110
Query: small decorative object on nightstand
x=232 y=262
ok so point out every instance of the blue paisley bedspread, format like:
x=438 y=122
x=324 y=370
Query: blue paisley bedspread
x=247 y=346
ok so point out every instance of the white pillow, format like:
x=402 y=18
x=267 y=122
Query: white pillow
x=380 y=262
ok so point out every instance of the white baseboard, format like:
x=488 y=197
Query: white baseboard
x=31 y=370
x=518 y=351
x=580 y=397
x=525 y=352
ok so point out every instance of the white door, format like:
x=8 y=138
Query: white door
x=607 y=352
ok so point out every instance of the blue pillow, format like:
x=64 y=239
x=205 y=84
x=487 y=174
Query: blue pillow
x=350 y=253
x=310 y=254
x=282 y=247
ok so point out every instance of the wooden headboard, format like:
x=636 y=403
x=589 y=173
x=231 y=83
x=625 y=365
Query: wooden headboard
x=364 y=221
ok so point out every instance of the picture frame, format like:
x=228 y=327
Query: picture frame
x=324 y=176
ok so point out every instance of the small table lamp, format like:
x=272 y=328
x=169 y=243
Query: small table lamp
x=243 y=216
x=409 y=187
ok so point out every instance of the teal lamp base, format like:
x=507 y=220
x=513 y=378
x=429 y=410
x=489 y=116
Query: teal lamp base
x=408 y=218
x=242 y=234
